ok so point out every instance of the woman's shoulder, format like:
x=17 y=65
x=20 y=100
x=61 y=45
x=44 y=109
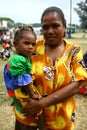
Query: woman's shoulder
x=68 y=43
x=72 y=47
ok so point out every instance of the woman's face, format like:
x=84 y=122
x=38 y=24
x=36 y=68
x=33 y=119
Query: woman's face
x=53 y=29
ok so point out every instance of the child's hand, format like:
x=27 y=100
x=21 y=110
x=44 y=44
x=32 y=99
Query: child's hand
x=36 y=96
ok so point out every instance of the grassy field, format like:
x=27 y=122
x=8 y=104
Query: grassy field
x=7 y=118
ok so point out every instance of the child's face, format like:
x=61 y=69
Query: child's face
x=26 y=45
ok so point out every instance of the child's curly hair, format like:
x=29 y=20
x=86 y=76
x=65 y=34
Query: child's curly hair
x=21 y=30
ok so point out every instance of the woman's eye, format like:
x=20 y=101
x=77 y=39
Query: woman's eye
x=45 y=27
x=55 y=26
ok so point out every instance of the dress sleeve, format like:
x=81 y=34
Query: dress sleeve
x=16 y=73
x=19 y=65
x=78 y=65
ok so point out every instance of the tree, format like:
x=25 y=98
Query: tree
x=10 y=22
x=82 y=13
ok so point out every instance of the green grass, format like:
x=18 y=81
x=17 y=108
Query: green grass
x=6 y=114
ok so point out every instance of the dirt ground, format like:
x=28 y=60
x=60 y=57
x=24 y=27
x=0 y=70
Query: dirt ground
x=81 y=113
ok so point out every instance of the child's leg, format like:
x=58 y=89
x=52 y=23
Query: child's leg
x=20 y=126
x=34 y=93
x=40 y=122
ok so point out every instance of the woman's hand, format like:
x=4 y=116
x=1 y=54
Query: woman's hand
x=32 y=107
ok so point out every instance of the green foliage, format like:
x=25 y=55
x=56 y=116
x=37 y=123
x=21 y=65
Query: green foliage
x=10 y=22
x=6 y=19
x=36 y=25
x=82 y=13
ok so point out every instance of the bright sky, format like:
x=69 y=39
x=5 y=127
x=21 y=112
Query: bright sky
x=30 y=11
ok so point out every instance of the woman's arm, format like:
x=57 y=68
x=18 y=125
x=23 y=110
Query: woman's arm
x=61 y=94
x=33 y=106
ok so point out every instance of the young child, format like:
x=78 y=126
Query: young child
x=17 y=76
x=83 y=89
x=6 y=50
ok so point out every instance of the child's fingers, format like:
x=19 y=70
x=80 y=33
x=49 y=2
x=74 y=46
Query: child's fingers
x=24 y=99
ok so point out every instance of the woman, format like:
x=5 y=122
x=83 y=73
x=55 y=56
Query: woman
x=59 y=70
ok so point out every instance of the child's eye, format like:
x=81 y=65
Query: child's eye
x=33 y=44
x=26 y=43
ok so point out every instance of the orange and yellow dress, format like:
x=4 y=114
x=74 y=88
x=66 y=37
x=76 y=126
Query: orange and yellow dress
x=48 y=78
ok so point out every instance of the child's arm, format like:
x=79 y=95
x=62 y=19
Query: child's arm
x=32 y=91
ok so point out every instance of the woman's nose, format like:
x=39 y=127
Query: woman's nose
x=50 y=30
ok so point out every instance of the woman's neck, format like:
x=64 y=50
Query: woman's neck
x=54 y=52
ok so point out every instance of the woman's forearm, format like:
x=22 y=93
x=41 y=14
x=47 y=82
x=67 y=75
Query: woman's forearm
x=33 y=106
x=61 y=94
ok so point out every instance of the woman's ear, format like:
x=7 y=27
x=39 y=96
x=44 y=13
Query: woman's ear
x=65 y=28
x=65 y=24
